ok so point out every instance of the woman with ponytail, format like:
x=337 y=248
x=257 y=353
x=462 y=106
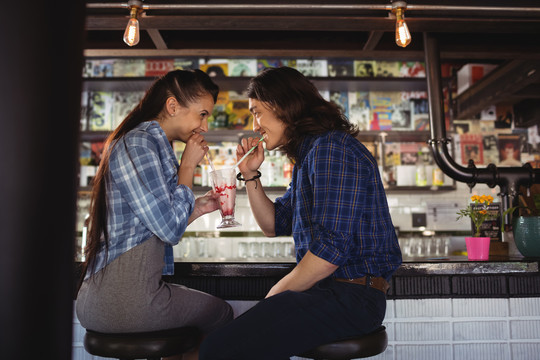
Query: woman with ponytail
x=142 y=202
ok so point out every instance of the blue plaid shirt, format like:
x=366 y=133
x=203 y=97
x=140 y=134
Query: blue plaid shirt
x=336 y=207
x=143 y=198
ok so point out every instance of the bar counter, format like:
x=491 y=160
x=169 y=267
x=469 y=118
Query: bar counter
x=448 y=277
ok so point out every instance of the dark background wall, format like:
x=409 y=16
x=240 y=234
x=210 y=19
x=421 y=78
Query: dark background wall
x=40 y=67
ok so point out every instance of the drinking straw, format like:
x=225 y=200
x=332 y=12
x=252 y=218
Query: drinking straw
x=210 y=160
x=249 y=152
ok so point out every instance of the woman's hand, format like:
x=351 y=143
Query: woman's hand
x=196 y=148
x=204 y=205
x=254 y=160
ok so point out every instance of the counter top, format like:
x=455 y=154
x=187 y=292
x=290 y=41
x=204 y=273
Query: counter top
x=449 y=277
x=452 y=265
x=453 y=276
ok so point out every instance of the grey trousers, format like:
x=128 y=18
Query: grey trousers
x=128 y=295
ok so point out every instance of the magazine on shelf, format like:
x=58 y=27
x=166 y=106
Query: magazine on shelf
x=488 y=113
x=215 y=69
x=420 y=114
x=472 y=148
x=381 y=109
x=85 y=153
x=491 y=149
x=100 y=113
x=409 y=153
x=220 y=114
x=387 y=69
x=268 y=63
x=130 y=68
x=359 y=110
x=509 y=150
x=312 y=68
x=401 y=113
x=124 y=103
x=103 y=68
x=289 y=62
x=341 y=99
x=392 y=154
x=240 y=118
x=340 y=67
x=88 y=69
x=84 y=110
x=186 y=63
x=158 y=67
x=364 y=68
x=242 y=67
x=412 y=69
x=504 y=116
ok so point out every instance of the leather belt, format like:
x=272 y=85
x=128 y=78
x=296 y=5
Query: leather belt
x=375 y=282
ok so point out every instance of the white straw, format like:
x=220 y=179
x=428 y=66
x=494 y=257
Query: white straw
x=210 y=161
x=249 y=152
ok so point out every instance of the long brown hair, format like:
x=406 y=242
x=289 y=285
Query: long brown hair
x=298 y=103
x=186 y=86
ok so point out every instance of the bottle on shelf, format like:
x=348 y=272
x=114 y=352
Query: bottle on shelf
x=421 y=172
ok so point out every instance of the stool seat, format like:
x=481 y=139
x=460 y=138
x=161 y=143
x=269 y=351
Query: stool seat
x=353 y=348
x=142 y=345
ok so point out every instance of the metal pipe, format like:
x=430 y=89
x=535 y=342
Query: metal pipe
x=509 y=179
x=526 y=11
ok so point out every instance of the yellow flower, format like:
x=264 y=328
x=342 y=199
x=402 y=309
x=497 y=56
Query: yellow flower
x=478 y=213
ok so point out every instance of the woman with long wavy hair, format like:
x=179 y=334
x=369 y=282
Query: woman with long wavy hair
x=142 y=202
x=337 y=213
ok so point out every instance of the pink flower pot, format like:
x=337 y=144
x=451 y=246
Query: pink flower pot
x=477 y=248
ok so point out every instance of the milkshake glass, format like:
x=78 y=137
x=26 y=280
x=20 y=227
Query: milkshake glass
x=224 y=184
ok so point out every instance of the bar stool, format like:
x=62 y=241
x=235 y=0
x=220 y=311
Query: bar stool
x=144 y=345
x=359 y=347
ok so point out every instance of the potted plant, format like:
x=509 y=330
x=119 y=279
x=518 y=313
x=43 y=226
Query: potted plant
x=477 y=246
x=526 y=229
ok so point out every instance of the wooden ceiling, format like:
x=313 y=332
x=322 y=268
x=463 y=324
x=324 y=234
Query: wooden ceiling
x=468 y=30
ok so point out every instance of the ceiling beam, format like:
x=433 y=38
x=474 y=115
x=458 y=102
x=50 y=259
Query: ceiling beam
x=373 y=40
x=156 y=37
x=316 y=23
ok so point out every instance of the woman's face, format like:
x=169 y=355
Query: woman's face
x=267 y=124
x=188 y=120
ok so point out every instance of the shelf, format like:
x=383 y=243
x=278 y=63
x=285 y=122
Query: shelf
x=395 y=136
x=369 y=84
x=199 y=190
x=398 y=189
x=239 y=84
x=117 y=83
x=232 y=135
x=509 y=83
x=213 y=136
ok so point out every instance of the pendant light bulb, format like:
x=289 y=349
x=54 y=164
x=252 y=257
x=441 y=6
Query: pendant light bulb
x=131 y=35
x=403 y=35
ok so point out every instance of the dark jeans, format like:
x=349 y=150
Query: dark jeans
x=290 y=323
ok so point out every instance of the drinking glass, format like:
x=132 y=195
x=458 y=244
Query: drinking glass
x=224 y=184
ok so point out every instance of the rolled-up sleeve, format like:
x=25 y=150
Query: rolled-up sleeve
x=336 y=179
x=283 y=214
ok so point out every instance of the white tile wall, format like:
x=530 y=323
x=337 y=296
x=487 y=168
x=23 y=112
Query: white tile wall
x=439 y=329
